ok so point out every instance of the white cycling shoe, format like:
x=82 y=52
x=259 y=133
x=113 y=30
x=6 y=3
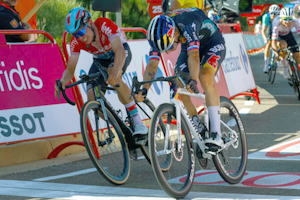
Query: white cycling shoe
x=215 y=142
x=266 y=69
x=286 y=73
x=140 y=134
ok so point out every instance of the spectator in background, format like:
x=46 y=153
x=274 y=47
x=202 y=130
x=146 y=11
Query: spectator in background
x=258 y=27
x=10 y=19
x=213 y=16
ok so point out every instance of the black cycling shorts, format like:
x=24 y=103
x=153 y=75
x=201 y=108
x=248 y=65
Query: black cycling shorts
x=213 y=53
x=290 y=40
x=104 y=64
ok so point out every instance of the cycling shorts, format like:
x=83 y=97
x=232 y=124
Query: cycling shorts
x=290 y=40
x=212 y=53
x=105 y=64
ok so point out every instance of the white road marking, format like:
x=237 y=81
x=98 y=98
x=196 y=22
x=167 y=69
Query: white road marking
x=282 y=138
x=249 y=103
x=253 y=179
x=244 y=111
x=85 y=171
x=87 y=192
x=284 y=151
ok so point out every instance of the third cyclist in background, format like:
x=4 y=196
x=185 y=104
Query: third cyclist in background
x=267 y=20
x=282 y=37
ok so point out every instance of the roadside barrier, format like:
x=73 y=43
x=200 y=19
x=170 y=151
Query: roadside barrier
x=254 y=42
x=28 y=109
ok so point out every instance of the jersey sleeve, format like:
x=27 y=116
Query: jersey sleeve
x=275 y=24
x=265 y=20
x=190 y=34
x=108 y=27
x=9 y=22
x=74 y=46
x=154 y=55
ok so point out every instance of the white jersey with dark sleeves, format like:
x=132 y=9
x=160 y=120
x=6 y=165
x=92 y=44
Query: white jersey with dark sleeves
x=278 y=29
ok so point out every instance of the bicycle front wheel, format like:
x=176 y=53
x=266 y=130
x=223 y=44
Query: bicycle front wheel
x=232 y=161
x=166 y=144
x=147 y=113
x=272 y=72
x=295 y=77
x=105 y=145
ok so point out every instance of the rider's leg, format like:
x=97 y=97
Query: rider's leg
x=212 y=99
x=267 y=56
x=123 y=93
x=282 y=44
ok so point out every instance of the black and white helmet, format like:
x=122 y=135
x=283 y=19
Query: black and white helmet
x=286 y=12
x=274 y=9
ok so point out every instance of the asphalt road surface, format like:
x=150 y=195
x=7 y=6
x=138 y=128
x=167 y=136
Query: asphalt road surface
x=273 y=170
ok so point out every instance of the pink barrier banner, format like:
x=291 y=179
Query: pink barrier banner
x=28 y=109
x=27 y=75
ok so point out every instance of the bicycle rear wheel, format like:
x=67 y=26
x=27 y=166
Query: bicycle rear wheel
x=163 y=146
x=106 y=146
x=231 y=162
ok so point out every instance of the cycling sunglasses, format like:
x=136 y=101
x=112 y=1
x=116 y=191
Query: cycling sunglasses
x=287 y=19
x=274 y=13
x=80 y=32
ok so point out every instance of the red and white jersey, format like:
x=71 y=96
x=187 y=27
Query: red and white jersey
x=278 y=29
x=108 y=30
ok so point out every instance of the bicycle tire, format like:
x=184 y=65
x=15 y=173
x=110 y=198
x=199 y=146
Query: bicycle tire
x=272 y=72
x=233 y=169
x=295 y=77
x=145 y=148
x=178 y=179
x=114 y=162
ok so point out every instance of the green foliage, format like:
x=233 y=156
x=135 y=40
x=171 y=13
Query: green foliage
x=51 y=16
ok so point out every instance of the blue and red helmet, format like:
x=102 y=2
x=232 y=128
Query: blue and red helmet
x=76 y=19
x=161 y=33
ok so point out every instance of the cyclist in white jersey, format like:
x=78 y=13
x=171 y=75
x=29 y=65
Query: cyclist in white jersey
x=282 y=36
x=266 y=32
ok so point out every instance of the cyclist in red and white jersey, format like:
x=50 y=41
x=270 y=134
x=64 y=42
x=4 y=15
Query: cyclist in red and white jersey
x=103 y=39
x=282 y=36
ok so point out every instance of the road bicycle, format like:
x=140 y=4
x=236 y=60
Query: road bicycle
x=172 y=141
x=110 y=144
x=272 y=68
x=294 y=70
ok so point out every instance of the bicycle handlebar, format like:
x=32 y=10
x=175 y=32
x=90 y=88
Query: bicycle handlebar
x=83 y=79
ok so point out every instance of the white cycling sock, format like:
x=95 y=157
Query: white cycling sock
x=132 y=109
x=284 y=63
x=267 y=61
x=214 y=118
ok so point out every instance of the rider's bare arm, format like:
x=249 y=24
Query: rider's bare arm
x=120 y=54
x=263 y=32
x=150 y=72
x=194 y=63
x=69 y=72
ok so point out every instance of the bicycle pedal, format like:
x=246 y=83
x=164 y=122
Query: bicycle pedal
x=142 y=142
x=133 y=154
